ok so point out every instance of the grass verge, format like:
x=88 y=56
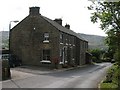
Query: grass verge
x=111 y=79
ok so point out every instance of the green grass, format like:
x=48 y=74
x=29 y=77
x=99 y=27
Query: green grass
x=111 y=80
x=108 y=85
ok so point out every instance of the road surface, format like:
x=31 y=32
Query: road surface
x=84 y=77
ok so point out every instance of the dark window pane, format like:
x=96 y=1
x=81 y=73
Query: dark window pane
x=46 y=54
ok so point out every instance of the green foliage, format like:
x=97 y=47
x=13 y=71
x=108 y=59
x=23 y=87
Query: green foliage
x=5 y=43
x=108 y=85
x=111 y=80
x=117 y=56
x=94 y=59
x=96 y=55
x=108 y=14
x=110 y=74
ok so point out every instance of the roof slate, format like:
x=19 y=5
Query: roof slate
x=63 y=29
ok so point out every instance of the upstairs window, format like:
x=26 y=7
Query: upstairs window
x=66 y=40
x=69 y=40
x=46 y=37
x=61 y=37
x=74 y=41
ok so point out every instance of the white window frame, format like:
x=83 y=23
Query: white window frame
x=61 y=38
x=46 y=37
x=43 y=60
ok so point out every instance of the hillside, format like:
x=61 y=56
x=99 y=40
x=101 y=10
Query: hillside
x=95 y=41
x=4 y=36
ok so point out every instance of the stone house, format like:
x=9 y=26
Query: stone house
x=40 y=41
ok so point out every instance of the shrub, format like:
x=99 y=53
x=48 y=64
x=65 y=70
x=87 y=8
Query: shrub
x=96 y=55
x=108 y=85
x=111 y=80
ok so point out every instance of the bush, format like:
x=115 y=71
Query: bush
x=108 y=85
x=5 y=70
x=111 y=80
x=106 y=59
x=94 y=59
x=96 y=55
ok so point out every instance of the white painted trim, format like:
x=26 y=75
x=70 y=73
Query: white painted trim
x=46 y=41
x=61 y=63
x=45 y=61
x=66 y=61
x=61 y=43
x=73 y=59
x=66 y=43
x=73 y=44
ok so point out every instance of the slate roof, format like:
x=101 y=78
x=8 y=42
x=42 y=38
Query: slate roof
x=63 y=29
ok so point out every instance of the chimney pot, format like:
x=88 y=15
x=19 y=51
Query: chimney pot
x=67 y=26
x=34 y=10
x=59 y=21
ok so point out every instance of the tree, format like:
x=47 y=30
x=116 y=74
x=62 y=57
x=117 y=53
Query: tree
x=108 y=14
x=96 y=55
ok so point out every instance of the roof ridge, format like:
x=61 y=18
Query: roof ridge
x=63 y=29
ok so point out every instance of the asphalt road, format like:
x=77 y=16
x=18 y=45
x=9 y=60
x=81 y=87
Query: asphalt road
x=84 y=77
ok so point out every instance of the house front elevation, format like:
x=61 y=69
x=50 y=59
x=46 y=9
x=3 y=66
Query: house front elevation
x=40 y=41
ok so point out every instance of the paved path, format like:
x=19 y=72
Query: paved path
x=16 y=75
x=84 y=77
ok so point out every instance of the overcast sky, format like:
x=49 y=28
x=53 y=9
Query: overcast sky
x=73 y=12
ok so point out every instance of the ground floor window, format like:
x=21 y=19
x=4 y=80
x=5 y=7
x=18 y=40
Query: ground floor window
x=46 y=55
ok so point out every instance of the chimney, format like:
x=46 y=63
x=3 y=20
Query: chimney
x=67 y=26
x=59 y=21
x=34 y=10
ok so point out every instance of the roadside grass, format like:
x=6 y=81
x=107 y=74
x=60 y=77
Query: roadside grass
x=108 y=85
x=111 y=79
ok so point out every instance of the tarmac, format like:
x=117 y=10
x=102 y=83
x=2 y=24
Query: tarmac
x=22 y=72
x=28 y=71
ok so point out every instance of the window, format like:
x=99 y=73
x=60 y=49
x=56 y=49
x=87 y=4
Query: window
x=46 y=37
x=73 y=40
x=70 y=40
x=60 y=52
x=61 y=37
x=46 y=55
x=5 y=56
x=66 y=39
x=61 y=56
